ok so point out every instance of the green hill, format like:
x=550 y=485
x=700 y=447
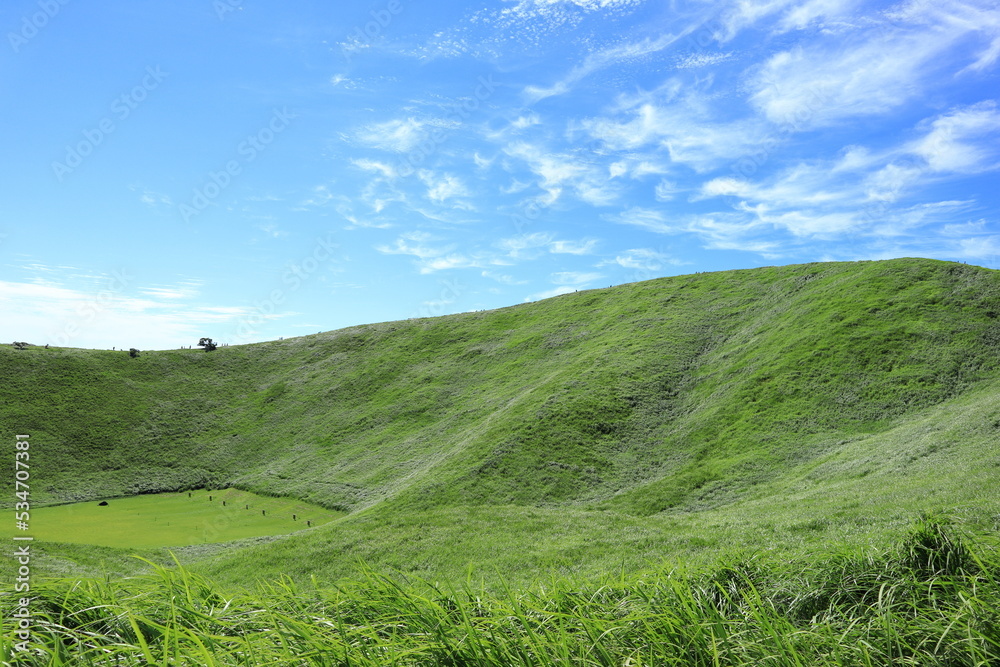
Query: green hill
x=681 y=416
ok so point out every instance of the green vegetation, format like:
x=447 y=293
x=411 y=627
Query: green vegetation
x=931 y=600
x=781 y=412
x=173 y=519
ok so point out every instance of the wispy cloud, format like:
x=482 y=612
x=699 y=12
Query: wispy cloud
x=503 y=278
x=584 y=247
x=400 y=135
x=872 y=72
x=152 y=198
x=681 y=127
x=603 y=58
x=548 y=294
x=525 y=246
x=377 y=166
x=561 y=172
x=441 y=187
x=163 y=318
x=642 y=259
x=272 y=230
x=646 y=218
x=964 y=140
x=791 y=14
x=185 y=290
x=574 y=277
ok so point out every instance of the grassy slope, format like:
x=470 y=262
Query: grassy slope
x=784 y=404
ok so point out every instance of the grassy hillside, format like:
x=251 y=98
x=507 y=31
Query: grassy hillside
x=780 y=406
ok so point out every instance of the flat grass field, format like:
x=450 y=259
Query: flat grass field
x=174 y=519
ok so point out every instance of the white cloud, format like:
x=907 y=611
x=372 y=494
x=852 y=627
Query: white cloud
x=683 y=128
x=106 y=317
x=828 y=194
x=429 y=259
x=924 y=219
x=584 y=247
x=694 y=60
x=726 y=185
x=733 y=232
x=525 y=245
x=401 y=135
x=814 y=12
x=321 y=196
x=799 y=15
x=503 y=278
x=152 y=198
x=665 y=191
x=442 y=187
x=981 y=247
x=481 y=162
x=358 y=223
x=811 y=224
x=525 y=121
x=387 y=170
x=182 y=291
x=412 y=243
x=547 y=294
x=559 y=171
x=872 y=73
x=747 y=13
x=635 y=168
x=641 y=259
x=599 y=60
x=892 y=181
x=808 y=200
x=961 y=141
x=272 y=230
x=451 y=261
x=645 y=218
x=515 y=187
x=987 y=58
x=575 y=278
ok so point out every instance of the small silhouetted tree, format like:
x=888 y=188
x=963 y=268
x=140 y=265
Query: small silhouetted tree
x=20 y=345
x=207 y=344
x=133 y=352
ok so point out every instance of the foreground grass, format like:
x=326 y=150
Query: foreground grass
x=931 y=599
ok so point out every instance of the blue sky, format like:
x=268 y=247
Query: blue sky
x=249 y=170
